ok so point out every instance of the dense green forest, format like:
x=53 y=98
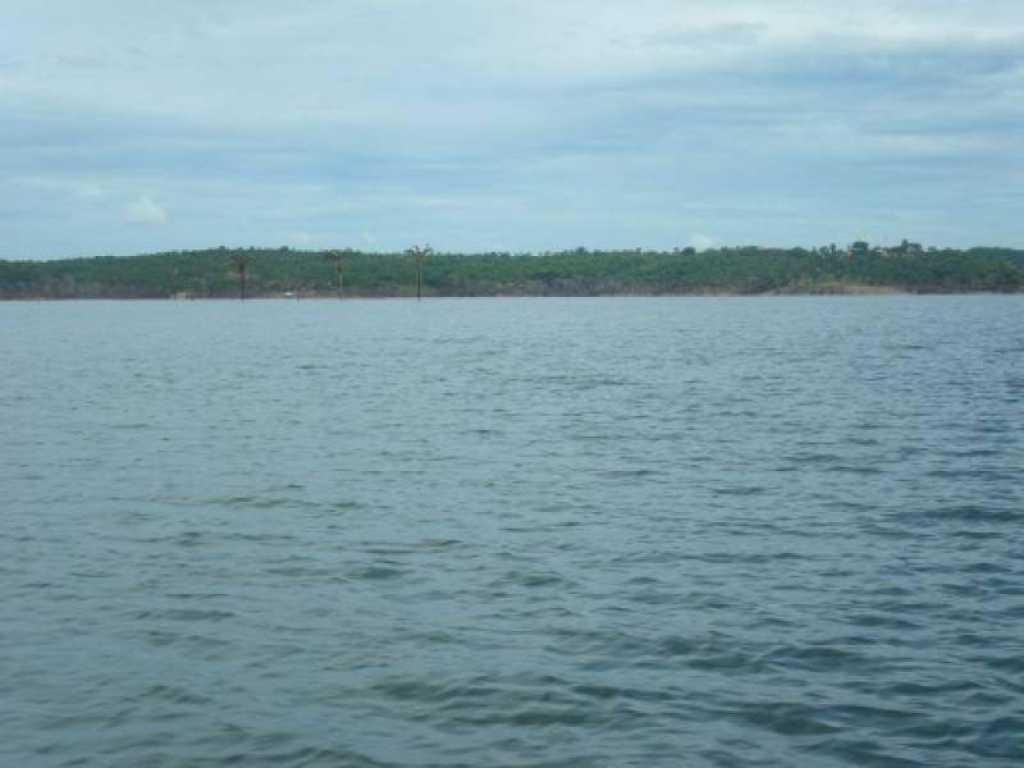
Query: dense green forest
x=221 y=272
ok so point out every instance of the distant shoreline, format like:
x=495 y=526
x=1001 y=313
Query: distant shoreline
x=830 y=292
x=222 y=273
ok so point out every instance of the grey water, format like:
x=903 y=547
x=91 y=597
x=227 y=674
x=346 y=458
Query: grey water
x=521 y=532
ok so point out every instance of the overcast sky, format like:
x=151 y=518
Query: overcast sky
x=476 y=125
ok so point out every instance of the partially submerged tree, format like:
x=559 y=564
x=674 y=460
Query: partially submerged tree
x=420 y=253
x=337 y=258
x=240 y=263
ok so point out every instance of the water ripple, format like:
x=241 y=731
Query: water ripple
x=531 y=533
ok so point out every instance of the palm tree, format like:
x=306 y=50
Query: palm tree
x=240 y=262
x=420 y=253
x=337 y=258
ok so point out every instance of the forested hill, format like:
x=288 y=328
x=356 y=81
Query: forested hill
x=750 y=270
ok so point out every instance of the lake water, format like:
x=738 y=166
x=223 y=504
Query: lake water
x=524 y=532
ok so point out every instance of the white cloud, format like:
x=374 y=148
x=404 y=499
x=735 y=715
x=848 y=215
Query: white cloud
x=81 y=190
x=702 y=242
x=145 y=211
x=523 y=122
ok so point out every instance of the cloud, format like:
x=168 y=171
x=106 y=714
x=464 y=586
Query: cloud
x=519 y=123
x=77 y=188
x=702 y=242
x=145 y=211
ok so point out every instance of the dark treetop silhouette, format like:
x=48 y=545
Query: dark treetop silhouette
x=420 y=253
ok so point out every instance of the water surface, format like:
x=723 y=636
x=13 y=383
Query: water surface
x=580 y=532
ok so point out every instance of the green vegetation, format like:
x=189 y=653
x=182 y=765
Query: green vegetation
x=223 y=272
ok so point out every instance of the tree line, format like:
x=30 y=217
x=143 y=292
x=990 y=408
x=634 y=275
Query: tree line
x=274 y=272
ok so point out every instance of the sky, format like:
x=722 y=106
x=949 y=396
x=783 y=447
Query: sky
x=131 y=126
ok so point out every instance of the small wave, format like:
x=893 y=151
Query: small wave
x=537 y=716
x=425 y=691
x=1001 y=737
x=189 y=539
x=813 y=458
x=397 y=550
x=973 y=513
x=186 y=614
x=32 y=585
x=376 y=573
x=856 y=469
x=248 y=502
x=602 y=692
x=968 y=533
x=260 y=538
x=528 y=580
x=174 y=694
x=890 y=531
x=740 y=490
x=882 y=621
x=784 y=718
x=301 y=572
x=197 y=595
x=858 y=751
x=92 y=574
x=927 y=691
x=1013 y=663
x=814 y=658
x=631 y=474
x=270 y=502
x=344 y=505
x=983 y=475
x=972 y=453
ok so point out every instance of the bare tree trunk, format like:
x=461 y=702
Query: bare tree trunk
x=240 y=263
x=337 y=258
x=419 y=253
